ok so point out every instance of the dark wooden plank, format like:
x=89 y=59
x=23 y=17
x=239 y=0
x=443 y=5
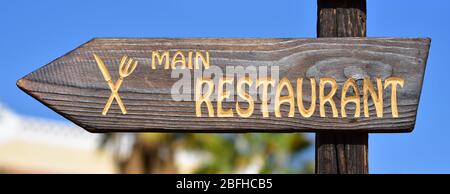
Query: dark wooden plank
x=73 y=85
x=341 y=153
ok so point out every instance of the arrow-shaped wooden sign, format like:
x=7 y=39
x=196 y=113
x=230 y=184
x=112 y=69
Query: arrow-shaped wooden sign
x=236 y=85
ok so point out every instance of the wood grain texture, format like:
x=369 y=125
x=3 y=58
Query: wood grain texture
x=337 y=152
x=73 y=86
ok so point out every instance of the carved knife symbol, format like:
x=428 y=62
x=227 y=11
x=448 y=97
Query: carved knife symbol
x=124 y=71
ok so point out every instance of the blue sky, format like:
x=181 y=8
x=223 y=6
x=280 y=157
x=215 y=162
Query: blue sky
x=35 y=32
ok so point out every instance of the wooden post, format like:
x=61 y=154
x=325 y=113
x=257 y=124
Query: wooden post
x=340 y=152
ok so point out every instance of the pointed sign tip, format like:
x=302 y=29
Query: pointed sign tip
x=21 y=83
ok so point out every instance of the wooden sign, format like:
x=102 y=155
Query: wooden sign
x=236 y=85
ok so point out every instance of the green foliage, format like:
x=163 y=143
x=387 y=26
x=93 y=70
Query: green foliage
x=230 y=152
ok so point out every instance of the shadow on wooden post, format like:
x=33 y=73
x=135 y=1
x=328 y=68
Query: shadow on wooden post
x=340 y=152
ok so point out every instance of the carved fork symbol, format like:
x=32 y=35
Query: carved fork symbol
x=124 y=71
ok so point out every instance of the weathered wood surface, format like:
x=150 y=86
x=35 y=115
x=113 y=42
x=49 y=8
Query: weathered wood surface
x=337 y=152
x=73 y=85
